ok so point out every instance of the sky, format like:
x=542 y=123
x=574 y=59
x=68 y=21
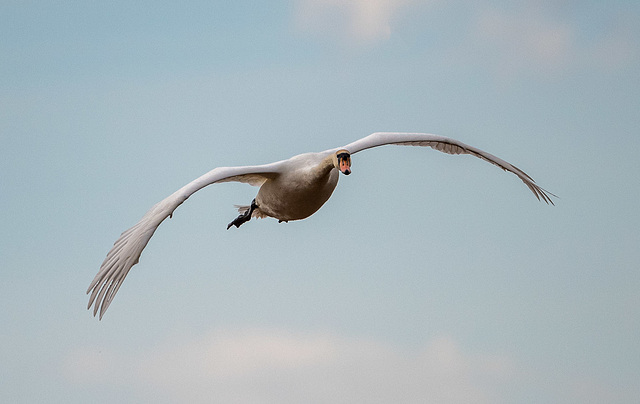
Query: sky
x=425 y=278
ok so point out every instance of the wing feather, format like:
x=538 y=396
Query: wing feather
x=127 y=249
x=445 y=145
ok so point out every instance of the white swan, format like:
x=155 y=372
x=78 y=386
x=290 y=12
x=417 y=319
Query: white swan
x=290 y=189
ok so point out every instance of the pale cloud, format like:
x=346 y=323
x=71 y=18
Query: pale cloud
x=267 y=365
x=359 y=21
x=525 y=38
x=535 y=40
x=618 y=47
x=516 y=41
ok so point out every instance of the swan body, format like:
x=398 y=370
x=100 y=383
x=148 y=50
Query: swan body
x=305 y=184
x=292 y=189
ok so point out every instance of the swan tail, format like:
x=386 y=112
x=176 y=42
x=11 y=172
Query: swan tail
x=257 y=213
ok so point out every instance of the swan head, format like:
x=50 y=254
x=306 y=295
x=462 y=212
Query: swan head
x=342 y=161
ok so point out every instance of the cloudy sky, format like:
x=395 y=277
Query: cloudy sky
x=426 y=277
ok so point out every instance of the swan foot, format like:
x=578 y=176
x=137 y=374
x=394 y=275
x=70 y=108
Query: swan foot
x=280 y=221
x=244 y=217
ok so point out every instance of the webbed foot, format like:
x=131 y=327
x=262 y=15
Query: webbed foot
x=244 y=217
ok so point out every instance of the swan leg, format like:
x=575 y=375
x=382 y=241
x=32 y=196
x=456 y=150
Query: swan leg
x=244 y=217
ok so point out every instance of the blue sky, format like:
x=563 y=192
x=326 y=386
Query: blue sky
x=425 y=278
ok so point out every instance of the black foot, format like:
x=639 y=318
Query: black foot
x=280 y=221
x=243 y=218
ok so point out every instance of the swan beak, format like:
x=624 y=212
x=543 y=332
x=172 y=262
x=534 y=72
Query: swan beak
x=345 y=167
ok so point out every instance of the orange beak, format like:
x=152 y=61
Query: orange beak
x=345 y=166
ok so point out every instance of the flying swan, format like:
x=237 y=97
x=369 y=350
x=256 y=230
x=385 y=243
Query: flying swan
x=290 y=189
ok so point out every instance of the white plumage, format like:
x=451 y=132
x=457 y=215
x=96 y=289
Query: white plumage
x=290 y=189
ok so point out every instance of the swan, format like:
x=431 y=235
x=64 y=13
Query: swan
x=291 y=189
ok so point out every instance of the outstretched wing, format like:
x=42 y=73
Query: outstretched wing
x=445 y=145
x=126 y=251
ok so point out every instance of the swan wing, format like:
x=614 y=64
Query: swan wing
x=445 y=145
x=126 y=251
